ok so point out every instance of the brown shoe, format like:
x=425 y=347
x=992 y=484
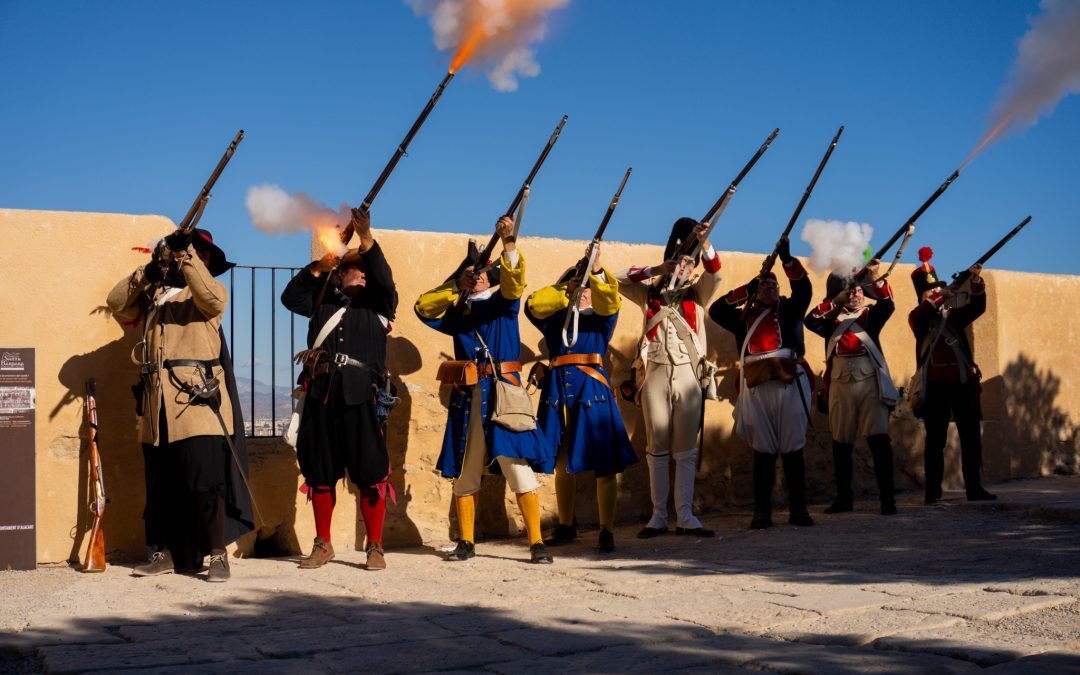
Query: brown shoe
x=219 y=566
x=161 y=562
x=322 y=552
x=375 y=559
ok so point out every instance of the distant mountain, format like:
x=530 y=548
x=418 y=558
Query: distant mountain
x=281 y=404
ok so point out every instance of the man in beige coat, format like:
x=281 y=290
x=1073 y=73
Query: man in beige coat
x=182 y=382
x=673 y=357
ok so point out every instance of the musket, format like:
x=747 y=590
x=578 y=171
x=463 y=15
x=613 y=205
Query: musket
x=95 y=550
x=959 y=278
x=585 y=266
x=693 y=245
x=365 y=205
x=347 y=233
x=194 y=214
x=522 y=191
x=860 y=276
x=770 y=259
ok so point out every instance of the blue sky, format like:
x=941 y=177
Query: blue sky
x=126 y=106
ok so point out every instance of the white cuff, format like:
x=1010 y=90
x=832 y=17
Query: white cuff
x=513 y=257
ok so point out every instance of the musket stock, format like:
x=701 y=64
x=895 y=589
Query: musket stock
x=191 y=219
x=584 y=267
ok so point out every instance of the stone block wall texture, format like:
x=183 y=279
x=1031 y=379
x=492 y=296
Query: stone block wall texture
x=1031 y=389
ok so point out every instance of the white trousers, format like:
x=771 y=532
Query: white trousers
x=772 y=417
x=671 y=403
x=519 y=475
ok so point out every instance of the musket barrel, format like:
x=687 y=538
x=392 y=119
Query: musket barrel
x=612 y=206
x=536 y=167
x=915 y=216
x=813 y=181
x=404 y=145
x=190 y=218
x=721 y=203
x=1004 y=240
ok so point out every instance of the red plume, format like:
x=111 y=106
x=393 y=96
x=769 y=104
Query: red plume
x=925 y=254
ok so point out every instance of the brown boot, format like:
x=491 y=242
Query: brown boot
x=375 y=559
x=322 y=552
x=161 y=562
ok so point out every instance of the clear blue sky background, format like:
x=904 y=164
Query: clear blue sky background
x=126 y=106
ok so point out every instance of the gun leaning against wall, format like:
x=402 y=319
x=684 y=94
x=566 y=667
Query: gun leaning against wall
x=692 y=246
x=95 y=550
x=960 y=278
x=584 y=267
x=518 y=198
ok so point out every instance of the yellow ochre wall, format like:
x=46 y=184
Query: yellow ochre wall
x=1030 y=395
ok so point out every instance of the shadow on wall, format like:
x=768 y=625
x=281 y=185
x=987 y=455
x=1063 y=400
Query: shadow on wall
x=113 y=371
x=1041 y=437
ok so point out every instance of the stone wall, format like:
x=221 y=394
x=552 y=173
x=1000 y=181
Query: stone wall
x=1030 y=396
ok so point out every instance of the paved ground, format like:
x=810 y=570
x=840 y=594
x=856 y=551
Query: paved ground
x=943 y=588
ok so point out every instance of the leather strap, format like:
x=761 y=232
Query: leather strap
x=504 y=367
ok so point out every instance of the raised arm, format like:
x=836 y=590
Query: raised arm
x=709 y=282
x=127 y=298
x=727 y=310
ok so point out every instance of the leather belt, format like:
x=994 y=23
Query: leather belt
x=205 y=364
x=504 y=367
x=341 y=360
x=582 y=363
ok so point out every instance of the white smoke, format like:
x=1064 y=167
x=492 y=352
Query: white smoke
x=501 y=31
x=1047 y=68
x=275 y=211
x=836 y=245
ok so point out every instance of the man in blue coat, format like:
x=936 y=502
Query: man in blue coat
x=487 y=346
x=578 y=413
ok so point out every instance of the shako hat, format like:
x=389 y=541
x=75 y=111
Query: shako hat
x=924 y=277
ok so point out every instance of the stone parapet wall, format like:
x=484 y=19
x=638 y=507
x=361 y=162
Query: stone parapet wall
x=1030 y=395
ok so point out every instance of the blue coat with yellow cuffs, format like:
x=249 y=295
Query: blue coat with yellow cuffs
x=496 y=320
x=578 y=413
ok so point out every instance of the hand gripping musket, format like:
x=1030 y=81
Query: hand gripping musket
x=693 y=245
x=402 y=149
x=584 y=268
x=95 y=550
x=906 y=230
x=522 y=191
x=960 y=278
x=194 y=214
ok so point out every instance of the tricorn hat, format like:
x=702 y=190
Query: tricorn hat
x=475 y=257
x=352 y=258
x=924 y=277
x=203 y=242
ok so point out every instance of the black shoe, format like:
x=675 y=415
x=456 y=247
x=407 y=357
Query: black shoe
x=463 y=551
x=930 y=499
x=802 y=519
x=761 y=522
x=606 y=544
x=694 y=532
x=840 y=506
x=888 y=509
x=980 y=495
x=650 y=532
x=562 y=534
x=540 y=554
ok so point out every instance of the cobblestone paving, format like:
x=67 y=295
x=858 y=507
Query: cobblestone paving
x=945 y=588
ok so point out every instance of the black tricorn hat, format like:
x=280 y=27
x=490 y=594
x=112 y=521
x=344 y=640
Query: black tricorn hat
x=680 y=232
x=203 y=242
x=474 y=257
x=924 y=277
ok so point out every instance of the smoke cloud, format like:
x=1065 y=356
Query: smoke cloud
x=836 y=245
x=495 y=34
x=1047 y=68
x=275 y=211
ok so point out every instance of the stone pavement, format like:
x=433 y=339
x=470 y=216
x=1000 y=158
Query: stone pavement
x=945 y=588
